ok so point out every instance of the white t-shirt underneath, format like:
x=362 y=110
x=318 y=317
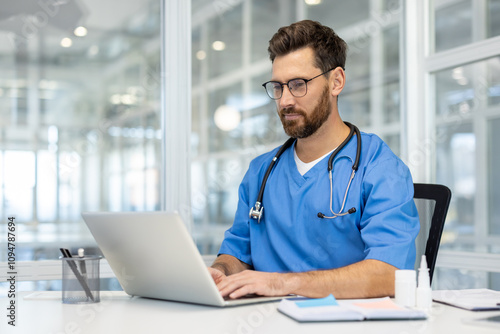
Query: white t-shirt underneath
x=304 y=167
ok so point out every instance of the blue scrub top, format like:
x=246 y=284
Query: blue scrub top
x=291 y=237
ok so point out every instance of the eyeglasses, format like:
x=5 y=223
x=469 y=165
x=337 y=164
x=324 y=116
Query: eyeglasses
x=297 y=87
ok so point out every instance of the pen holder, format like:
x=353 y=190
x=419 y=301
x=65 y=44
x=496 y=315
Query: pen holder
x=80 y=280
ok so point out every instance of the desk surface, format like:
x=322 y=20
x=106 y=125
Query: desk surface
x=119 y=313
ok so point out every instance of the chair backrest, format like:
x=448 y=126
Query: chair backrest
x=432 y=201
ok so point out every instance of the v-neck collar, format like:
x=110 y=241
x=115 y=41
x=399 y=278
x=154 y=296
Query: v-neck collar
x=294 y=172
x=321 y=165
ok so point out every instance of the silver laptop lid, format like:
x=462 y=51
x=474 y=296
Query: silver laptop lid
x=153 y=255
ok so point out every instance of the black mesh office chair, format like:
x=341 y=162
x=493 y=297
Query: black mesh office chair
x=432 y=201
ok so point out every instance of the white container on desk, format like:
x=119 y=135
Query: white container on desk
x=406 y=284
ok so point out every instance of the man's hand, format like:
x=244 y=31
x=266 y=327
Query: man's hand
x=364 y=279
x=216 y=274
x=252 y=282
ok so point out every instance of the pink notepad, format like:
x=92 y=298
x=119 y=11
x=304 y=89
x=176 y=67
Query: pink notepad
x=380 y=304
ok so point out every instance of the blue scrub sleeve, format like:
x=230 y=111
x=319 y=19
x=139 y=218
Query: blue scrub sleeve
x=389 y=223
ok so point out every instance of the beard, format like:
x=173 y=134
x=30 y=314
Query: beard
x=311 y=122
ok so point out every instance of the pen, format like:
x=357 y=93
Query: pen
x=83 y=268
x=79 y=277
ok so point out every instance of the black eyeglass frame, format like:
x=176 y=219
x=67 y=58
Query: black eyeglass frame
x=288 y=82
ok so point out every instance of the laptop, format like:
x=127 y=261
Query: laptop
x=153 y=255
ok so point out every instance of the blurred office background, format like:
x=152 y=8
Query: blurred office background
x=81 y=112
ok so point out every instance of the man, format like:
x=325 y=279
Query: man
x=292 y=250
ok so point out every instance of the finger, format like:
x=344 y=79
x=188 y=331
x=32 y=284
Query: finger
x=238 y=289
x=229 y=284
x=263 y=284
x=231 y=279
x=236 y=286
x=217 y=278
x=242 y=291
x=226 y=288
x=216 y=274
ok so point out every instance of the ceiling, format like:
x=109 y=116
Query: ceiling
x=48 y=22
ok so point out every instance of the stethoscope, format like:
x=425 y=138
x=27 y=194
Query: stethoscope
x=257 y=210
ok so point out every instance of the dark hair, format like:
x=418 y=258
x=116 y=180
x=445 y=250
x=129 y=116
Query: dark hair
x=329 y=49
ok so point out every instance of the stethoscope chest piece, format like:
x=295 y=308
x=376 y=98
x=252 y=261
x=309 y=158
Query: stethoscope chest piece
x=257 y=212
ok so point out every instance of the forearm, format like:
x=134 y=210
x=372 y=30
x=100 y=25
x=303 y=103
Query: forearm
x=229 y=265
x=365 y=279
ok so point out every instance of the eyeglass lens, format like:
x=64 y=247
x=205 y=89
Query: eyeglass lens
x=297 y=87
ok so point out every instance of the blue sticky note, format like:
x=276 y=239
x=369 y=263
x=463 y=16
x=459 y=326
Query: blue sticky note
x=327 y=301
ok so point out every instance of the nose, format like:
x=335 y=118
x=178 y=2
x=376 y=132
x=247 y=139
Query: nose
x=287 y=99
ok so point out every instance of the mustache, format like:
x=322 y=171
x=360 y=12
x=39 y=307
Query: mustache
x=287 y=111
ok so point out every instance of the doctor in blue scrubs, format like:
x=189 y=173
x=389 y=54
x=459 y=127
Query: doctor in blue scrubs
x=316 y=237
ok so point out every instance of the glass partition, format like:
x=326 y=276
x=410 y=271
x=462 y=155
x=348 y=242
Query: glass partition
x=79 y=117
x=453 y=23
x=460 y=22
x=467 y=101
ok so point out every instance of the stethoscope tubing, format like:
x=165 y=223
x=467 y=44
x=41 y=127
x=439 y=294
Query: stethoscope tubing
x=257 y=211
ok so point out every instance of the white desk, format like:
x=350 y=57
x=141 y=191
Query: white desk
x=118 y=313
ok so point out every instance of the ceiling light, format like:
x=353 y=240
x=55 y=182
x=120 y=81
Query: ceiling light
x=200 y=55
x=227 y=118
x=66 y=42
x=312 y=2
x=80 y=31
x=218 y=45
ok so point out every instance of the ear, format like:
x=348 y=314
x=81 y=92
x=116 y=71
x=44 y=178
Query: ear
x=336 y=81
